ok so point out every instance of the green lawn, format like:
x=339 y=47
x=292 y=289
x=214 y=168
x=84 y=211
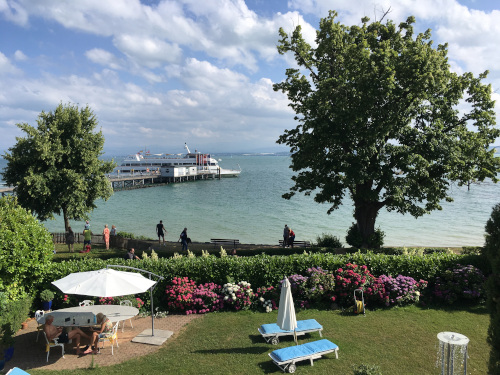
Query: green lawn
x=398 y=340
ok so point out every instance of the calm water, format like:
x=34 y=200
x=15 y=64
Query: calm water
x=250 y=208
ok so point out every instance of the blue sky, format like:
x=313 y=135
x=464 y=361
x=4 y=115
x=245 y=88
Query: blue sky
x=161 y=73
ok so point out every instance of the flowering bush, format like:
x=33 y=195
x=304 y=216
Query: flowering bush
x=320 y=285
x=206 y=299
x=238 y=296
x=185 y=296
x=400 y=290
x=107 y=301
x=137 y=302
x=267 y=298
x=180 y=294
x=350 y=278
x=460 y=282
x=300 y=292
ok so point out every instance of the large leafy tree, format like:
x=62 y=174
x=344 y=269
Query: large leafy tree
x=492 y=251
x=56 y=168
x=382 y=118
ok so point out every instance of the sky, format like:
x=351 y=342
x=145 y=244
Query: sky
x=158 y=74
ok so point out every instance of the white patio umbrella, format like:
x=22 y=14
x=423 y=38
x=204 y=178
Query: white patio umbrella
x=108 y=282
x=105 y=282
x=286 y=310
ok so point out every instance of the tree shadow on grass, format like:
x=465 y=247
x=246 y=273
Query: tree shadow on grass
x=479 y=309
x=245 y=350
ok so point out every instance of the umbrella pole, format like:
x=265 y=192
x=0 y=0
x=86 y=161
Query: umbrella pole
x=295 y=336
x=152 y=315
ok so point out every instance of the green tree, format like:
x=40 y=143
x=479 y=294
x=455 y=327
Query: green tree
x=56 y=168
x=492 y=252
x=26 y=248
x=383 y=119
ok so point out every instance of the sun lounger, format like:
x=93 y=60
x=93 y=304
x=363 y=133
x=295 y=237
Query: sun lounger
x=271 y=332
x=286 y=358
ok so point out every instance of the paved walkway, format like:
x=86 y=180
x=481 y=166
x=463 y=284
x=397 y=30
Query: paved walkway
x=29 y=354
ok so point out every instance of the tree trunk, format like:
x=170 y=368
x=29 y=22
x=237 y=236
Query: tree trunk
x=365 y=214
x=66 y=220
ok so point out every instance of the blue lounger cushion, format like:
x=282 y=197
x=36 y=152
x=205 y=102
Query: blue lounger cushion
x=303 y=350
x=302 y=325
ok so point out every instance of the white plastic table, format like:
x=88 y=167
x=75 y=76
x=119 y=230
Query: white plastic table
x=85 y=315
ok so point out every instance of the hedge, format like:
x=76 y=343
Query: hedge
x=264 y=270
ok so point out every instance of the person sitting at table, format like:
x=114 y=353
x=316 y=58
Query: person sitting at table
x=104 y=331
x=63 y=337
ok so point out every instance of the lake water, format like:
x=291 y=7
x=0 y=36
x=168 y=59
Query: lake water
x=250 y=208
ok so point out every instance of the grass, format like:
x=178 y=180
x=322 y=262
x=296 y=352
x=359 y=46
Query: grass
x=398 y=340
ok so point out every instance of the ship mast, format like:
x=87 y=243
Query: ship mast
x=187 y=148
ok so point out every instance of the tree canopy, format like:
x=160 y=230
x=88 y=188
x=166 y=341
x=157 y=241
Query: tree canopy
x=381 y=117
x=56 y=167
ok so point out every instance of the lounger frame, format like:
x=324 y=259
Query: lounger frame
x=290 y=364
x=274 y=336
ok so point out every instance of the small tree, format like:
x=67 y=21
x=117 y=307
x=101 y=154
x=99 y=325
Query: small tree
x=26 y=248
x=56 y=167
x=379 y=120
x=492 y=251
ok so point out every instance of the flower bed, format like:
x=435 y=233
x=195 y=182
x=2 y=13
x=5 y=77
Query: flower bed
x=317 y=288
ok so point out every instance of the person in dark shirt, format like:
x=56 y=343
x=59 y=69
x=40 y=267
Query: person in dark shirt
x=131 y=254
x=160 y=229
x=184 y=239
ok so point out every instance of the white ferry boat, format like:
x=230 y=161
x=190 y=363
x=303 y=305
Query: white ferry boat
x=174 y=165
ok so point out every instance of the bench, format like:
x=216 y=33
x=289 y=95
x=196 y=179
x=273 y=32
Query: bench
x=298 y=243
x=222 y=241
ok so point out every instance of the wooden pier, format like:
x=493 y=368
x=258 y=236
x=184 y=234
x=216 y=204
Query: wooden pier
x=134 y=181
x=137 y=180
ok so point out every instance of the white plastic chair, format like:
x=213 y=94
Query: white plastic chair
x=38 y=315
x=86 y=302
x=126 y=302
x=52 y=344
x=113 y=337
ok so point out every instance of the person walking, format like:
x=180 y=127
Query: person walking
x=70 y=239
x=184 y=239
x=160 y=229
x=286 y=235
x=105 y=236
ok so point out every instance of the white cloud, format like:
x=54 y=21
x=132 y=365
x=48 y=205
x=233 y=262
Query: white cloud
x=6 y=67
x=20 y=56
x=102 y=57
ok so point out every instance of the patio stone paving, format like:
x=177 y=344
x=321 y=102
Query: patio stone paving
x=29 y=354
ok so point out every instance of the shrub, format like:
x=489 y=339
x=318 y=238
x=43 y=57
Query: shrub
x=459 y=282
x=492 y=252
x=12 y=314
x=348 y=279
x=355 y=239
x=26 y=249
x=237 y=296
x=267 y=298
x=47 y=295
x=320 y=285
x=180 y=294
x=206 y=299
x=328 y=240
x=300 y=290
x=366 y=370
x=400 y=290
